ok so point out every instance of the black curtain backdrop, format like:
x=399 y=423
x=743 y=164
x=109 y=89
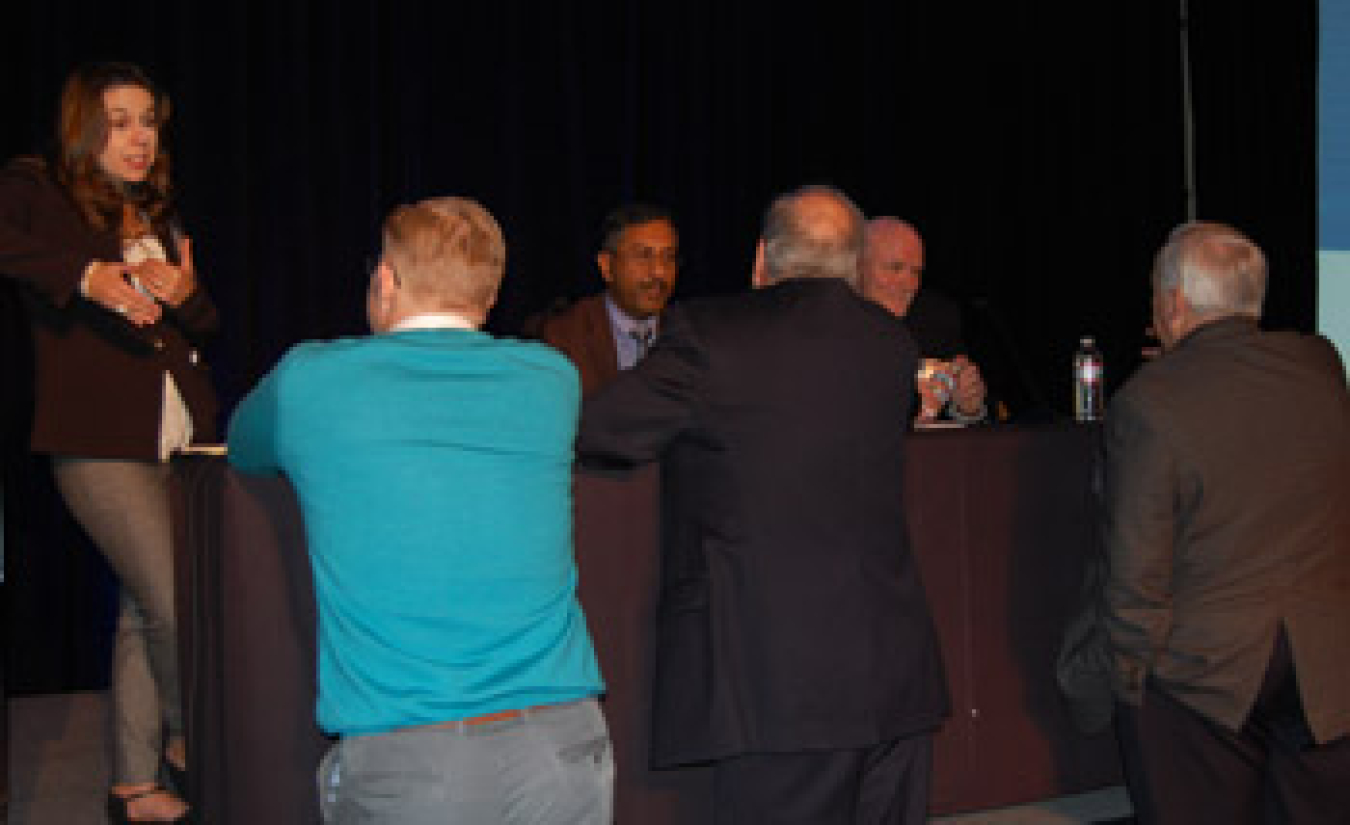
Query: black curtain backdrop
x=1037 y=145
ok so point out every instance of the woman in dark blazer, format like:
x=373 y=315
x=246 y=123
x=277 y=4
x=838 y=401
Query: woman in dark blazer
x=117 y=315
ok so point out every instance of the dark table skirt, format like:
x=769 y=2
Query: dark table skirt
x=1002 y=522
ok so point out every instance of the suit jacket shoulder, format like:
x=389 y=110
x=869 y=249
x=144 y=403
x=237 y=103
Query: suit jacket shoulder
x=582 y=332
x=935 y=322
x=44 y=241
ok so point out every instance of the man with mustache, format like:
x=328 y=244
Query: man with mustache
x=639 y=259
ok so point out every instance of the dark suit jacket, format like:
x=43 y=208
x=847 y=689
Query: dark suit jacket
x=1227 y=494
x=99 y=379
x=791 y=616
x=935 y=322
x=583 y=332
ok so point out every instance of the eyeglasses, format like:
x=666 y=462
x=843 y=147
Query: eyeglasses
x=648 y=256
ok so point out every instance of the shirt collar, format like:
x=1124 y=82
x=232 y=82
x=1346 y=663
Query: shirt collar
x=433 y=320
x=624 y=322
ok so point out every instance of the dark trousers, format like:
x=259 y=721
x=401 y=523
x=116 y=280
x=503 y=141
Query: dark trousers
x=885 y=784
x=1182 y=768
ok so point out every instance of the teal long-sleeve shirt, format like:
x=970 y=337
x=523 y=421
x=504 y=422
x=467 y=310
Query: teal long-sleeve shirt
x=433 y=470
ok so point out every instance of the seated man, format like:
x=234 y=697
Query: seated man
x=639 y=259
x=891 y=270
x=433 y=467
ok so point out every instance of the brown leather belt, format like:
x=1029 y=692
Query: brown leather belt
x=498 y=716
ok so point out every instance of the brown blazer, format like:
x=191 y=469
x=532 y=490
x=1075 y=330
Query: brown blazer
x=582 y=332
x=98 y=379
x=1227 y=494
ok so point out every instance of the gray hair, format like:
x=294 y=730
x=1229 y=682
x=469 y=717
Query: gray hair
x=1219 y=270
x=813 y=232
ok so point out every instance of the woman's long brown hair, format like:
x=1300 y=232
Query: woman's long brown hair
x=82 y=132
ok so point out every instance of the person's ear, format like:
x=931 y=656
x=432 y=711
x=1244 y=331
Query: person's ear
x=389 y=282
x=387 y=286
x=759 y=276
x=1173 y=316
x=605 y=260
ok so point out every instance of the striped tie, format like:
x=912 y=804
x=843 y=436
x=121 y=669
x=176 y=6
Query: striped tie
x=643 y=336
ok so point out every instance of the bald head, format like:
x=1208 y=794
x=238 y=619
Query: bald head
x=891 y=266
x=814 y=232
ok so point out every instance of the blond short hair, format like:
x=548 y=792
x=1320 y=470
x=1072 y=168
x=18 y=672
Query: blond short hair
x=448 y=253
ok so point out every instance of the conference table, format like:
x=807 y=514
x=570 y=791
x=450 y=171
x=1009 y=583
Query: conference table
x=1002 y=520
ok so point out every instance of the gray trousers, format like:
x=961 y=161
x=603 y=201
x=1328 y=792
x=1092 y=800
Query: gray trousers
x=554 y=766
x=124 y=507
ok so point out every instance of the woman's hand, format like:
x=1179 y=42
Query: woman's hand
x=168 y=283
x=106 y=284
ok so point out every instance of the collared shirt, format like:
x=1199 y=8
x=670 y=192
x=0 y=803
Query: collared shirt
x=627 y=333
x=434 y=320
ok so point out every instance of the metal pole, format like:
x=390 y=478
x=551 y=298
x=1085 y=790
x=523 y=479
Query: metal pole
x=1187 y=113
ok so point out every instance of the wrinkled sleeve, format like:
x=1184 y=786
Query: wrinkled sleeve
x=197 y=316
x=632 y=419
x=1140 y=514
x=252 y=439
x=49 y=269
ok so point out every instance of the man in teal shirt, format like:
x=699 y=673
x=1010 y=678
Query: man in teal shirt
x=433 y=467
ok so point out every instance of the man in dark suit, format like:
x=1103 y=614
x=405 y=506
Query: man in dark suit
x=639 y=259
x=795 y=648
x=891 y=271
x=1225 y=613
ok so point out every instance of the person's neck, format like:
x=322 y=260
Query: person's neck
x=432 y=319
x=623 y=314
x=1196 y=323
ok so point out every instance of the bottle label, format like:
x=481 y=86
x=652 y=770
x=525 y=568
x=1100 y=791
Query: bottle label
x=1090 y=373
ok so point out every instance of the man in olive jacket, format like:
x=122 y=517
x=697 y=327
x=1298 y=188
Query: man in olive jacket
x=1225 y=610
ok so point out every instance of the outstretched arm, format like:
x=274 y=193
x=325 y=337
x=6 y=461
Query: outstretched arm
x=632 y=419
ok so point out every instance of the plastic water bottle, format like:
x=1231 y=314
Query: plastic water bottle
x=1088 y=381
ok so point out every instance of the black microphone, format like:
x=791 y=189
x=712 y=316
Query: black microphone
x=1038 y=409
